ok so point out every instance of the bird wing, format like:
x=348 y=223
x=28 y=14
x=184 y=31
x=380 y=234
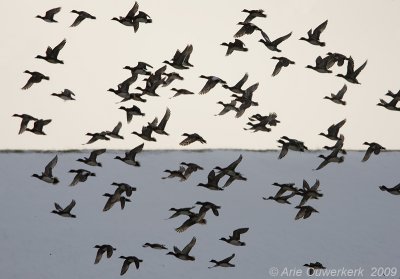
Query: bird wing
x=48 y=170
x=281 y=39
x=78 y=20
x=277 y=69
x=306 y=186
x=228 y=258
x=320 y=28
x=315 y=186
x=187 y=141
x=323 y=164
x=229 y=181
x=109 y=251
x=284 y=151
x=242 y=81
x=99 y=254
x=360 y=68
x=95 y=153
x=136 y=150
x=117 y=128
x=58 y=207
x=52 y=12
x=350 y=66
x=57 y=49
x=208 y=86
x=137 y=262
x=234 y=164
x=300 y=214
x=164 y=120
x=367 y=154
x=341 y=92
x=146 y=131
x=236 y=233
x=70 y=206
x=126 y=264
x=242 y=31
x=248 y=93
x=189 y=247
x=133 y=11
x=266 y=38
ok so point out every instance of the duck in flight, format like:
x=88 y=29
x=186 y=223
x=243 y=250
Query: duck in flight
x=64 y=212
x=273 y=45
x=49 y=16
x=130 y=112
x=247 y=29
x=36 y=77
x=191 y=138
x=92 y=160
x=47 y=175
x=180 y=60
x=26 y=118
x=38 y=126
x=130 y=157
x=82 y=15
x=101 y=249
x=52 y=54
x=234 y=239
x=128 y=261
x=394 y=190
x=81 y=176
x=333 y=130
x=66 y=95
x=313 y=36
x=305 y=212
x=160 y=127
x=115 y=132
x=212 y=81
x=223 y=263
x=282 y=62
x=351 y=74
x=374 y=148
x=184 y=254
x=96 y=137
x=236 y=45
x=338 y=98
x=253 y=14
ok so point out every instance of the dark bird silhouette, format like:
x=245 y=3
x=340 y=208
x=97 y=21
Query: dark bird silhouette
x=26 y=118
x=394 y=190
x=64 y=212
x=253 y=14
x=38 y=126
x=333 y=130
x=66 y=95
x=273 y=45
x=305 y=211
x=130 y=112
x=180 y=60
x=114 y=198
x=181 y=211
x=190 y=168
x=92 y=160
x=313 y=266
x=247 y=29
x=181 y=92
x=171 y=77
x=81 y=176
x=190 y=138
x=338 y=98
x=236 y=45
x=52 y=54
x=160 y=128
x=290 y=144
x=237 y=88
x=176 y=173
x=212 y=181
x=82 y=15
x=331 y=158
x=322 y=65
x=184 y=254
x=49 y=16
x=128 y=261
x=36 y=77
x=374 y=148
x=195 y=218
x=282 y=62
x=96 y=137
x=234 y=239
x=308 y=192
x=351 y=75
x=47 y=175
x=146 y=133
x=115 y=132
x=209 y=205
x=313 y=36
x=223 y=263
x=123 y=187
x=156 y=246
x=227 y=107
x=101 y=249
x=391 y=105
x=212 y=81
x=130 y=157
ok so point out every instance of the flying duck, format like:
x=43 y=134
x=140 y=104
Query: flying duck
x=128 y=261
x=223 y=263
x=92 y=160
x=155 y=246
x=181 y=92
x=393 y=95
x=146 y=133
x=128 y=19
x=49 y=16
x=322 y=65
x=97 y=136
x=231 y=172
x=333 y=130
x=181 y=211
x=394 y=190
x=115 y=132
x=256 y=127
x=210 y=84
x=139 y=69
x=82 y=15
x=190 y=138
x=130 y=112
x=282 y=62
x=114 y=198
x=184 y=254
x=234 y=239
x=135 y=97
x=38 y=126
x=351 y=75
x=171 y=77
x=36 y=77
x=246 y=99
x=373 y=147
x=64 y=212
x=176 y=173
x=237 y=45
x=285 y=187
x=247 y=29
x=331 y=158
x=281 y=199
x=180 y=60
x=52 y=54
x=81 y=176
x=196 y=218
x=337 y=98
x=313 y=36
x=291 y=144
x=391 y=105
x=26 y=118
x=190 y=168
x=101 y=249
x=253 y=14
x=337 y=58
x=66 y=95
x=160 y=128
x=212 y=181
x=47 y=175
x=123 y=187
x=131 y=155
x=308 y=192
x=209 y=205
x=237 y=88
x=273 y=45
x=227 y=107
x=269 y=119
x=338 y=145
x=305 y=211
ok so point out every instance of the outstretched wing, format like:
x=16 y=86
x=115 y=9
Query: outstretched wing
x=189 y=247
x=165 y=119
x=49 y=167
x=57 y=49
x=281 y=39
x=236 y=233
x=242 y=81
x=234 y=164
x=70 y=206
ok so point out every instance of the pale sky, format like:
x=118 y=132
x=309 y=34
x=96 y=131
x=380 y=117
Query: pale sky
x=97 y=50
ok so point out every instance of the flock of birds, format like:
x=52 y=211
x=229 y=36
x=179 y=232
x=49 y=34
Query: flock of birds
x=242 y=100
